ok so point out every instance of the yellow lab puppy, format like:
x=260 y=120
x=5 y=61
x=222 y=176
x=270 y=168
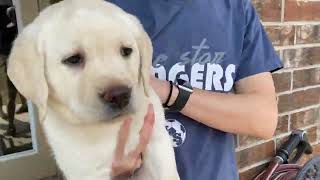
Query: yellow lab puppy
x=85 y=65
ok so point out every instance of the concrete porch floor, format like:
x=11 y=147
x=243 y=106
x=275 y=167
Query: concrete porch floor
x=22 y=141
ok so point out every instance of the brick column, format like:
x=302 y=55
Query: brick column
x=293 y=27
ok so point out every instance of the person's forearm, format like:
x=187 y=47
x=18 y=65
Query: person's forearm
x=252 y=110
x=253 y=114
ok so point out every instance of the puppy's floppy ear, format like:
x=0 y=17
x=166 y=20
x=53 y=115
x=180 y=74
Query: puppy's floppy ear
x=145 y=52
x=26 y=70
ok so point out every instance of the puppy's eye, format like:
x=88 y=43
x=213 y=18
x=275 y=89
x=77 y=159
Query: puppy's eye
x=74 y=60
x=125 y=51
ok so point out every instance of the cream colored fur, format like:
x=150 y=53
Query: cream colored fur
x=79 y=128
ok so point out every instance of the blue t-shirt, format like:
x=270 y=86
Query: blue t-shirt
x=212 y=44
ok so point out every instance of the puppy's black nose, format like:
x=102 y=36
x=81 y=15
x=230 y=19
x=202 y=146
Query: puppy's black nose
x=117 y=97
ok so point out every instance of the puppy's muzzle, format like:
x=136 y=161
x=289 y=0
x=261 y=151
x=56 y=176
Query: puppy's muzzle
x=117 y=97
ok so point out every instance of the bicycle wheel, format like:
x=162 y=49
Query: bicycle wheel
x=310 y=171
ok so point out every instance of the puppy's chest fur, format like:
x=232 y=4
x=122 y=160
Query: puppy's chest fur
x=86 y=151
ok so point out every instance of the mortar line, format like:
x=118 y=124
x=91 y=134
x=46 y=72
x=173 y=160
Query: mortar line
x=298 y=89
x=295 y=35
x=282 y=10
x=300 y=110
x=290 y=23
x=297 y=46
x=254 y=165
x=286 y=70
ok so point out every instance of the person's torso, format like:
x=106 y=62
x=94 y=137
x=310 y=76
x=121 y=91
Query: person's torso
x=199 y=41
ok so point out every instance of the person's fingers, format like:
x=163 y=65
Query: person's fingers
x=145 y=132
x=138 y=163
x=123 y=135
x=122 y=167
x=126 y=166
x=148 y=119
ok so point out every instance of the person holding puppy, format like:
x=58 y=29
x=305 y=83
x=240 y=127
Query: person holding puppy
x=212 y=63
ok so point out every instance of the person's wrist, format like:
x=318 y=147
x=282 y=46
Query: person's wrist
x=181 y=95
x=161 y=87
x=165 y=91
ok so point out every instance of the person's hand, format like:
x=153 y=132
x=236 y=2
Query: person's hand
x=125 y=165
x=161 y=88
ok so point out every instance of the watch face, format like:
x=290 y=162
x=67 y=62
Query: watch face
x=185 y=85
x=181 y=81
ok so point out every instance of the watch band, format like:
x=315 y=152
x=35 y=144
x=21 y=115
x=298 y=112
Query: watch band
x=182 y=98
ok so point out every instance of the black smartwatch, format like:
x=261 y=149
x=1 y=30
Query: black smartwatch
x=185 y=90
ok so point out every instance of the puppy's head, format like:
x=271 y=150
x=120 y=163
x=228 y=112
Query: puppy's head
x=92 y=59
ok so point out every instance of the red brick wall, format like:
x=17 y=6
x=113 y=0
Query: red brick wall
x=293 y=27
